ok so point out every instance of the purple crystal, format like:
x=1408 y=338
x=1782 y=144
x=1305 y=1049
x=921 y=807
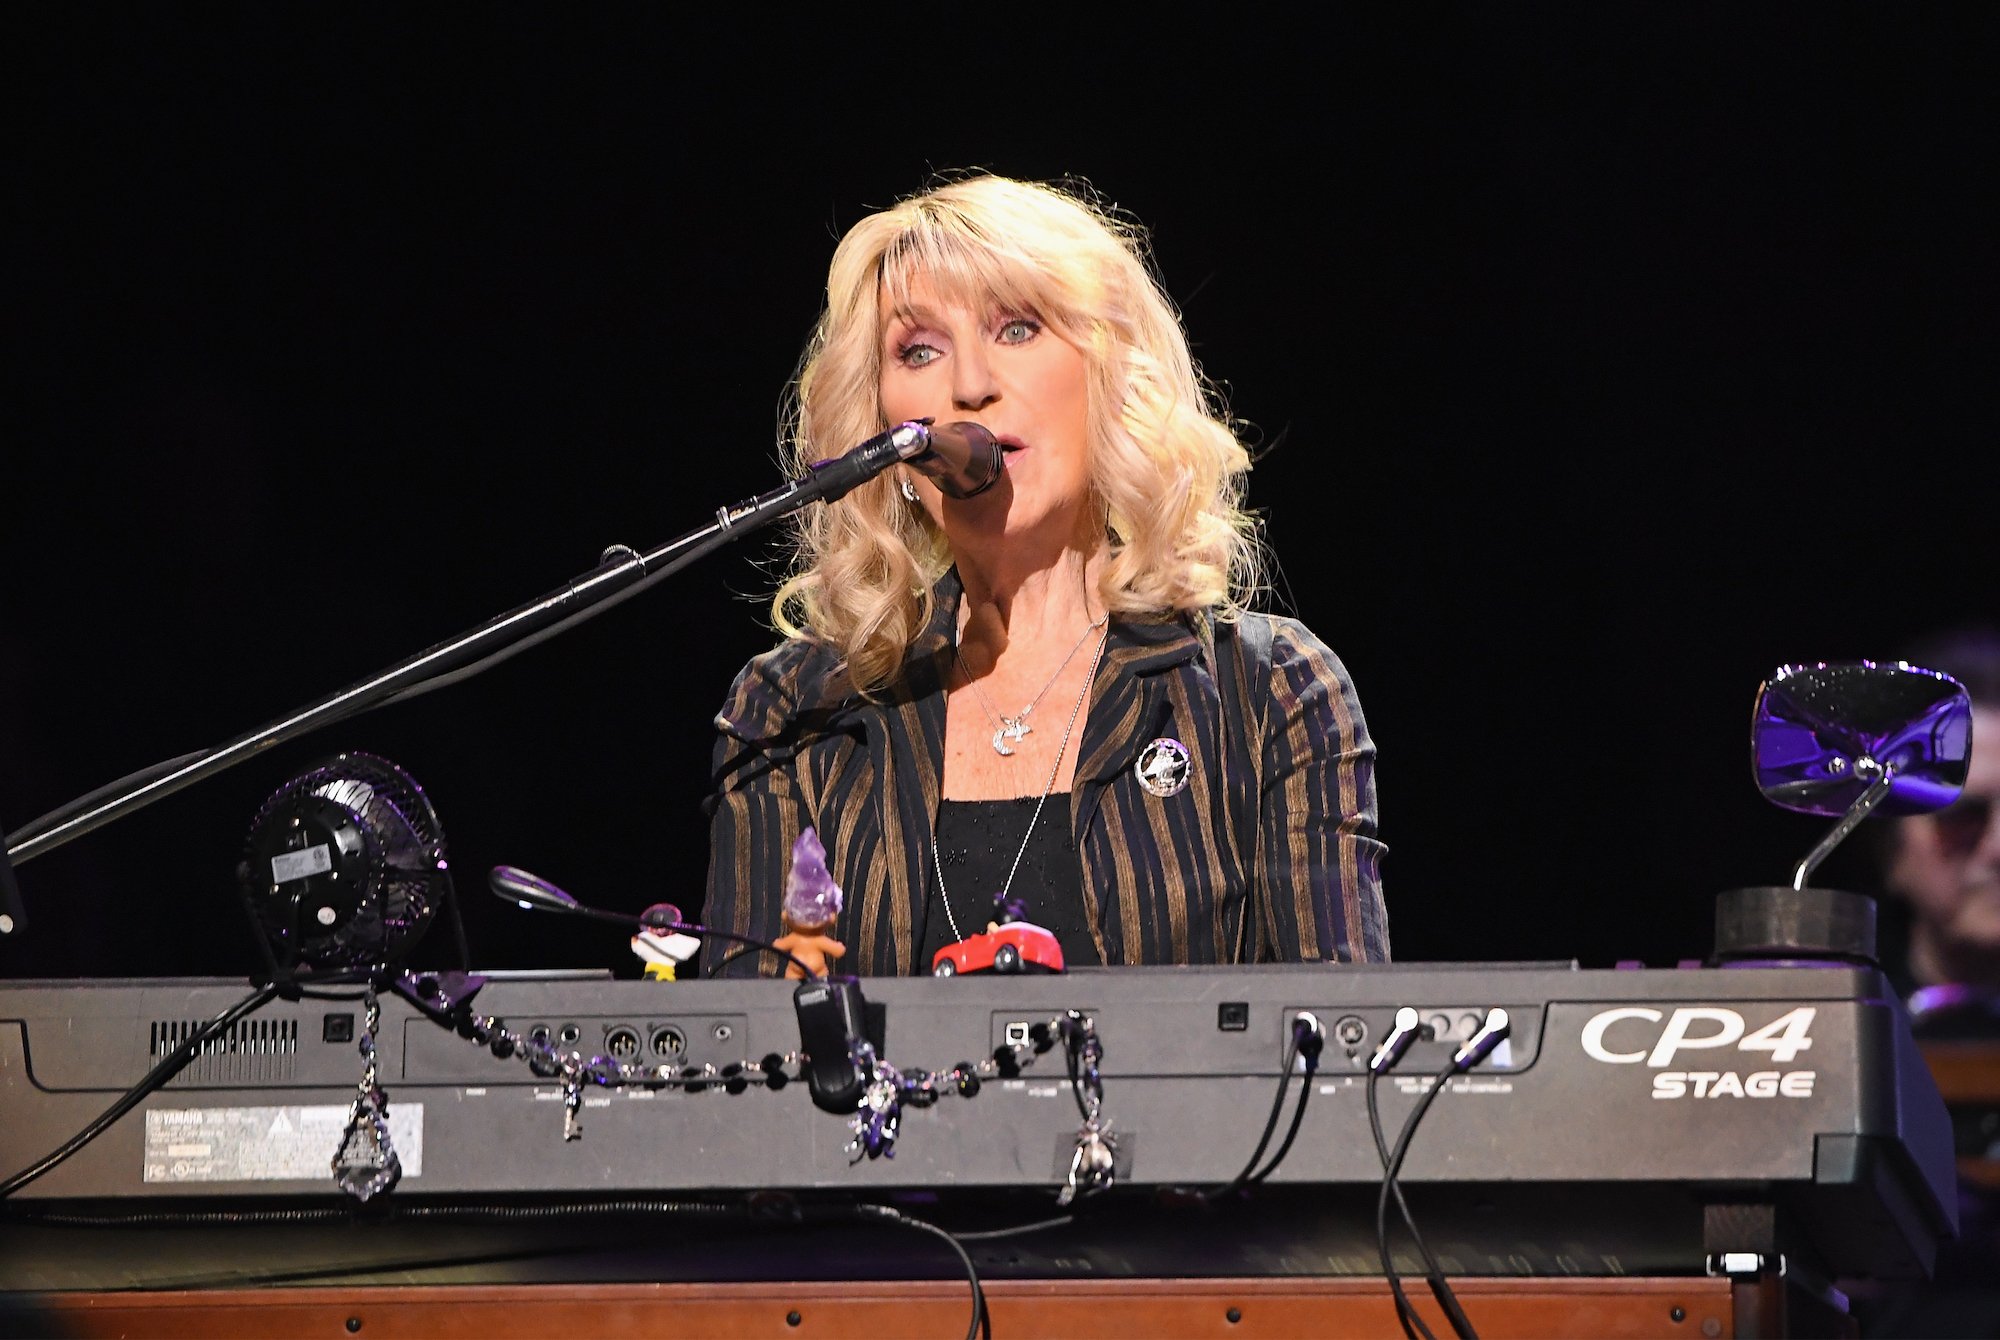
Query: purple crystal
x=811 y=896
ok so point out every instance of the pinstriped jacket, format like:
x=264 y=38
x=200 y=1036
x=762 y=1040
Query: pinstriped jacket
x=1268 y=854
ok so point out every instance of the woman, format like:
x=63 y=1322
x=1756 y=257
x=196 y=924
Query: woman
x=1183 y=781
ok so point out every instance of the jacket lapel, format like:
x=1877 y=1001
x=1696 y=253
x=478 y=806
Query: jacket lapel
x=910 y=737
x=1128 y=705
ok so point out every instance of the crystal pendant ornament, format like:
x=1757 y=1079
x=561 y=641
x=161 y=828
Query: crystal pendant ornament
x=365 y=1164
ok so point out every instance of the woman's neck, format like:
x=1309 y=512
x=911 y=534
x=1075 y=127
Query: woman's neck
x=1008 y=602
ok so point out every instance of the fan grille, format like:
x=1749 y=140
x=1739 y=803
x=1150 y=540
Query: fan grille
x=378 y=874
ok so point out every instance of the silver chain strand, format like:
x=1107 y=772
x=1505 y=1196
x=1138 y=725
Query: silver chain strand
x=574 y=1072
x=1055 y=768
x=1094 y=1165
x=1016 y=726
x=365 y=1162
x=886 y=1089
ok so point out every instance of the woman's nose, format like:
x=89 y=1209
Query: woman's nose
x=972 y=384
x=1988 y=848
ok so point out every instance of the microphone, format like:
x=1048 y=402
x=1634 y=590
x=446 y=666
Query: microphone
x=533 y=893
x=962 y=459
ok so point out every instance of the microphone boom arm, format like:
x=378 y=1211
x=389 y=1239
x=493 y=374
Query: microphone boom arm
x=484 y=647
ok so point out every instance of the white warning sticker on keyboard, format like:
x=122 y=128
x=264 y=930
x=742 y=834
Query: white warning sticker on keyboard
x=265 y=1144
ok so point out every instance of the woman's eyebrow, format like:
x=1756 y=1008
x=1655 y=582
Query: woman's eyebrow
x=913 y=315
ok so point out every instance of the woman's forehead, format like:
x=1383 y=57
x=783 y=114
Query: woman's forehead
x=960 y=278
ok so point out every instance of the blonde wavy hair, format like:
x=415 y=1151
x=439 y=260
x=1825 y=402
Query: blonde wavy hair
x=1165 y=468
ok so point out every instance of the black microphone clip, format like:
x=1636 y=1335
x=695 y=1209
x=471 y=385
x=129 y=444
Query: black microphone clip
x=833 y=1023
x=962 y=459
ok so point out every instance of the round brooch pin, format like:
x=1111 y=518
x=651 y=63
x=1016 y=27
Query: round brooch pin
x=1163 y=767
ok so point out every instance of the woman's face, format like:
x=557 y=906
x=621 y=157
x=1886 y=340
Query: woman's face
x=1007 y=372
x=1948 y=864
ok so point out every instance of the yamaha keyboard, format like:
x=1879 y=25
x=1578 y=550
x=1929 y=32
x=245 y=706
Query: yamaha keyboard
x=1629 y=1119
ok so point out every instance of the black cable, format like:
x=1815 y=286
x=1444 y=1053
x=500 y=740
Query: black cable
x=170 y=1065
x=748 y=946
x=1402 y=1206
x=1242 y=1179
x=1446 y=1298
x=1405 y=1313
x=510 y=884
x=373 y=1214
x=1310 y=1040
x=1441 y=1289
x=1072 y=1035
x=1075 y=1075
x=728 y=959
x=395 y=1210
x=1291 y=1133
x=1018 y=1230
x=981 y=1324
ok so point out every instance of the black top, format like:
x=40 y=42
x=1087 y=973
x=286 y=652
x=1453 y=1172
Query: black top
x=976 y=843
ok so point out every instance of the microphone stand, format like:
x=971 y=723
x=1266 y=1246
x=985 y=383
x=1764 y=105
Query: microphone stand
x=624 y=573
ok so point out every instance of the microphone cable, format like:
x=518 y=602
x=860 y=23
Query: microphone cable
x=981 y=1324
x=745 y=946
x=1307 y=1040
x=1492 y=1031
x=1392 y=1163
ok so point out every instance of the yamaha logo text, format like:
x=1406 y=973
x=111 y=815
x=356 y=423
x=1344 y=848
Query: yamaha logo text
x=1633 y=1034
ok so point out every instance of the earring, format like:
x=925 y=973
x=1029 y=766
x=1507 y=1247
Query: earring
x=909 y=490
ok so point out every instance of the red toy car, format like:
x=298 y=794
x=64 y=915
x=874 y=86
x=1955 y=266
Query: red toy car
x=1017 y=946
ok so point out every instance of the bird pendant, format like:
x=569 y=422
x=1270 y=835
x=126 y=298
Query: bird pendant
x=1011 y=728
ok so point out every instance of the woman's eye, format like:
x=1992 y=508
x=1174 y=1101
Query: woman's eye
x=916 y=355
x=1019 y=330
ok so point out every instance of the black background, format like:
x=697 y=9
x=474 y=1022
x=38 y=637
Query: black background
x=1610 y=357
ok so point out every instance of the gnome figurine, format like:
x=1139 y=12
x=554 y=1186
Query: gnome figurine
x=812 y=902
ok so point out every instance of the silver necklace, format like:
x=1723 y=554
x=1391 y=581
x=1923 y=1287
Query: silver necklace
x=937 y=862
x=1016 y=726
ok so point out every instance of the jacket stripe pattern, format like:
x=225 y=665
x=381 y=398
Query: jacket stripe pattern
x=1268 y=854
